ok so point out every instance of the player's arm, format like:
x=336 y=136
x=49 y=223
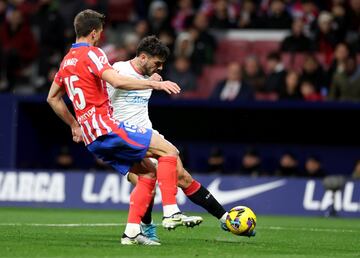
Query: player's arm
x=130 y=83
x=56 y=101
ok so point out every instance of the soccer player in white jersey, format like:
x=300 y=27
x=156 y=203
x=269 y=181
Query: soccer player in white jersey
x=132 y=107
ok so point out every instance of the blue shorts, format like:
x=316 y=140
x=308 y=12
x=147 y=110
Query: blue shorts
x=122 y=147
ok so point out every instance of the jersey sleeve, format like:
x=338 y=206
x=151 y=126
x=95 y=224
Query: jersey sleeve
x=58 y=79
x=98 y=61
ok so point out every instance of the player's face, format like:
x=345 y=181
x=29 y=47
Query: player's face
x=153 y=65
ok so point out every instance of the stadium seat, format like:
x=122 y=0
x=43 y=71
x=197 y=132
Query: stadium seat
x=263 y=48
x=231 y=50
x=207 y=81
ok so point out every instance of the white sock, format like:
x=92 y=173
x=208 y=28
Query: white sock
x=170 y=210
x=132 y=229
x=223 y=218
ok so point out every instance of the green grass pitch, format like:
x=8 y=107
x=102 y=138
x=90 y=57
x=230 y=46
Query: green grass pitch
x=26 y=232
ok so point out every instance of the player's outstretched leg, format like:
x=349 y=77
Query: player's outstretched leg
x=202 y=197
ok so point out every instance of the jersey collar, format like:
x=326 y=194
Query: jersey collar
x=80 y=44
x=136 y=70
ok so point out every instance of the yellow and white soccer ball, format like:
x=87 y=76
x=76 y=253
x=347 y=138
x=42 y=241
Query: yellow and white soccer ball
x=241 y=220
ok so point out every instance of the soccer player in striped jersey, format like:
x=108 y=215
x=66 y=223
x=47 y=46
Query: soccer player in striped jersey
x=83 y=74
x=132 y=106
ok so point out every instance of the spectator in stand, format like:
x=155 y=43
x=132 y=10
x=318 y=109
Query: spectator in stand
x=184 y=45
x=307 y=11
x=51 y=29
x=183 y=14
x=277 y=17
x=158 y=18
x=275 y=79
x=325 y=36
x=312 y=71
x=142 y=28
x=18 y=50
x=216 y=161
x=313 y=167
x=64 y=160
x=356 y=171
x=251 y=163
x=308 y=91
x=346 y=82
x=341 y=54
x=354 y=16
x=253 y=75
x=221 y=18
x=233 y=88
x=291 y=88
x=180 y=72
x=248 y=18
x=297 y=41
x=204 y=43
x=68 y=9
x=288 y=165
x=353 y=25
x=340 y=20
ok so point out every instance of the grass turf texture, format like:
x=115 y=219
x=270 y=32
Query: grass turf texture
x=26 y=232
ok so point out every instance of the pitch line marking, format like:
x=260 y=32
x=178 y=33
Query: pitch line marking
x=311 y=229
x=64 y=225
x=123 y=224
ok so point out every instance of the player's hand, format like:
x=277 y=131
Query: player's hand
x=168 y=86
x=156 y=77
x=76 y=133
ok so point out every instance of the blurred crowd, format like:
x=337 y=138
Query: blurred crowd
x=35 y=34
x=288 y=164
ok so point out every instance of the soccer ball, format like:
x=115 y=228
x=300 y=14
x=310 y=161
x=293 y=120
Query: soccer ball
x=241 y=220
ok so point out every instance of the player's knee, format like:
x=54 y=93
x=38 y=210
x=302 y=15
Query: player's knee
x=173 y=152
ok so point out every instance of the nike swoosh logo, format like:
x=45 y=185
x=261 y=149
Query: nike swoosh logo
x=226 y=197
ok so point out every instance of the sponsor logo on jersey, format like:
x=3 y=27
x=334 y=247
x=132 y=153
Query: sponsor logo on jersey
x=132 y=97
x=103 y=59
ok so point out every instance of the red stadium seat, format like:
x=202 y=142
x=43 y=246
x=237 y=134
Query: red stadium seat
x=231 y=50
x=264 y=47
x=207 y=81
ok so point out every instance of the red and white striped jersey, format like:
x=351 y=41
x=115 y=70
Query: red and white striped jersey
x=80 y=73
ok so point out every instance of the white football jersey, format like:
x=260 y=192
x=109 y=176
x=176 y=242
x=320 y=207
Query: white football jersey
x=130 y=105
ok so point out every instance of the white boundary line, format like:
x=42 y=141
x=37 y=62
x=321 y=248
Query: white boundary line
x=63 y=225
x=123 y=224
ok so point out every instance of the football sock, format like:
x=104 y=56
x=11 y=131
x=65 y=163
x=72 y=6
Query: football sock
x=132 y=229
x=202 y=197
x=223 y=217
x=167 y=178
x=147 y=217
x=170 y=210
x=140 y=199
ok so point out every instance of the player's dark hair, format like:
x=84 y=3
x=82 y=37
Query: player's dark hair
x=87 y=21
x=152 y=46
